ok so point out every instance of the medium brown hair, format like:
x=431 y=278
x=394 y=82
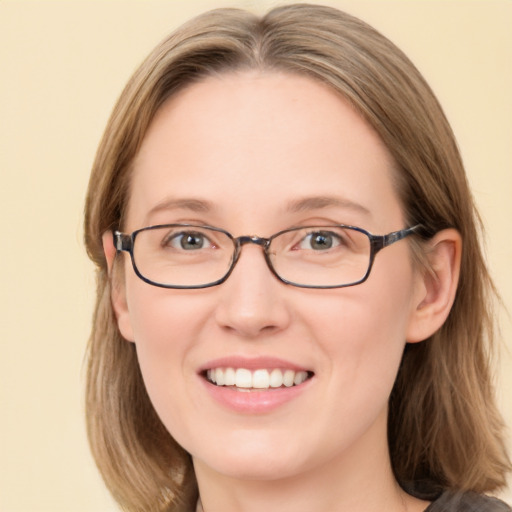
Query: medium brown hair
x=444 y=427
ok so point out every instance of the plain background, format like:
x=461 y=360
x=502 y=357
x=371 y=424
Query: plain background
x=62 y=66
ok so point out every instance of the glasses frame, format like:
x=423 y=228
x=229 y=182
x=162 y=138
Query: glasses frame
x=124 y=242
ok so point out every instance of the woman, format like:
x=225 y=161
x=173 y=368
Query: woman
x=343 y=363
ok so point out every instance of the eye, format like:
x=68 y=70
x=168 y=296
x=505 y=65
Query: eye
x=187 y=241
x=320 y=241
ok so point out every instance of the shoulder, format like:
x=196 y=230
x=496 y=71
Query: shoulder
x=467 y=502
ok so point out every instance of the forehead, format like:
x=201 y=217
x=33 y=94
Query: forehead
x=250 y=140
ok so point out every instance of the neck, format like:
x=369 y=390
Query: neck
x=360 y=479
x=291 y=495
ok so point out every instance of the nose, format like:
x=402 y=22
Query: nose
x=252 y=300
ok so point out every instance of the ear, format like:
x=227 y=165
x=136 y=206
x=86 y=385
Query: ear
x=118 y=288
x=437 y=285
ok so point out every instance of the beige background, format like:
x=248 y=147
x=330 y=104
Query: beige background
x=62 y=65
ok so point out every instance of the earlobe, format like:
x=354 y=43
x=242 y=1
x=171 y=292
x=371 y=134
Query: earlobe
x=438 y=285
x=117 y=289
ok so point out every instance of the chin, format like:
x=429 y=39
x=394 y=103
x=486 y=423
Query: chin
x=254 y=460
x=260 y=469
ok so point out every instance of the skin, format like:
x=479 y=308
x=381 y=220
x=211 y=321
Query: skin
x=247 y=145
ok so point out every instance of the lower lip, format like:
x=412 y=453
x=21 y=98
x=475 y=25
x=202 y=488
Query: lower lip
x=255 y=401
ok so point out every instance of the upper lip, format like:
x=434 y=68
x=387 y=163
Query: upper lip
x=252 y=363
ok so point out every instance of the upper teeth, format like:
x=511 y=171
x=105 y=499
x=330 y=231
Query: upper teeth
x=258 y=379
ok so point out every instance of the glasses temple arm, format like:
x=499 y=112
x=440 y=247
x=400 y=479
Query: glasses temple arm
x=379 y=242
x=122 y=242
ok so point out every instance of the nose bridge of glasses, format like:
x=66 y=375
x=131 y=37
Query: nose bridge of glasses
x=251 y=239
x=257 y=240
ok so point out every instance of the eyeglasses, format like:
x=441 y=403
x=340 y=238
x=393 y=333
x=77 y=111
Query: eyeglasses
x=189 y=256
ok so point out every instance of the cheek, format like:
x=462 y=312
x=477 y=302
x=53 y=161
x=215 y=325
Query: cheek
x=162 y=320
x=363 y=333
x=165 y=326
x=364 y=351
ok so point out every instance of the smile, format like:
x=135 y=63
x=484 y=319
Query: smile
x=245 y=379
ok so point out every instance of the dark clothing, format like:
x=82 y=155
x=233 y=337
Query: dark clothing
x=453 y=501
x=467 y=502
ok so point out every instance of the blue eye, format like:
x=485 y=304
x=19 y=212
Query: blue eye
x=188 y=241
x=320 y=241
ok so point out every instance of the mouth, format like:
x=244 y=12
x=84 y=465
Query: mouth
x=244 y=379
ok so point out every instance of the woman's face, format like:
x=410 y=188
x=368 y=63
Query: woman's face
x=255 y=153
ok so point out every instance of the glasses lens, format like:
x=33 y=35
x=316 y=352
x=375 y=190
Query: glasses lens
x=321 y=256
x=178 y=255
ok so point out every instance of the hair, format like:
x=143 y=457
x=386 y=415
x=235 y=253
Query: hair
x=444 y=427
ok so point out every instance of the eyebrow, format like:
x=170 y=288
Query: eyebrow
x=295 y=206
x=320 y=202
x=191 y=204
